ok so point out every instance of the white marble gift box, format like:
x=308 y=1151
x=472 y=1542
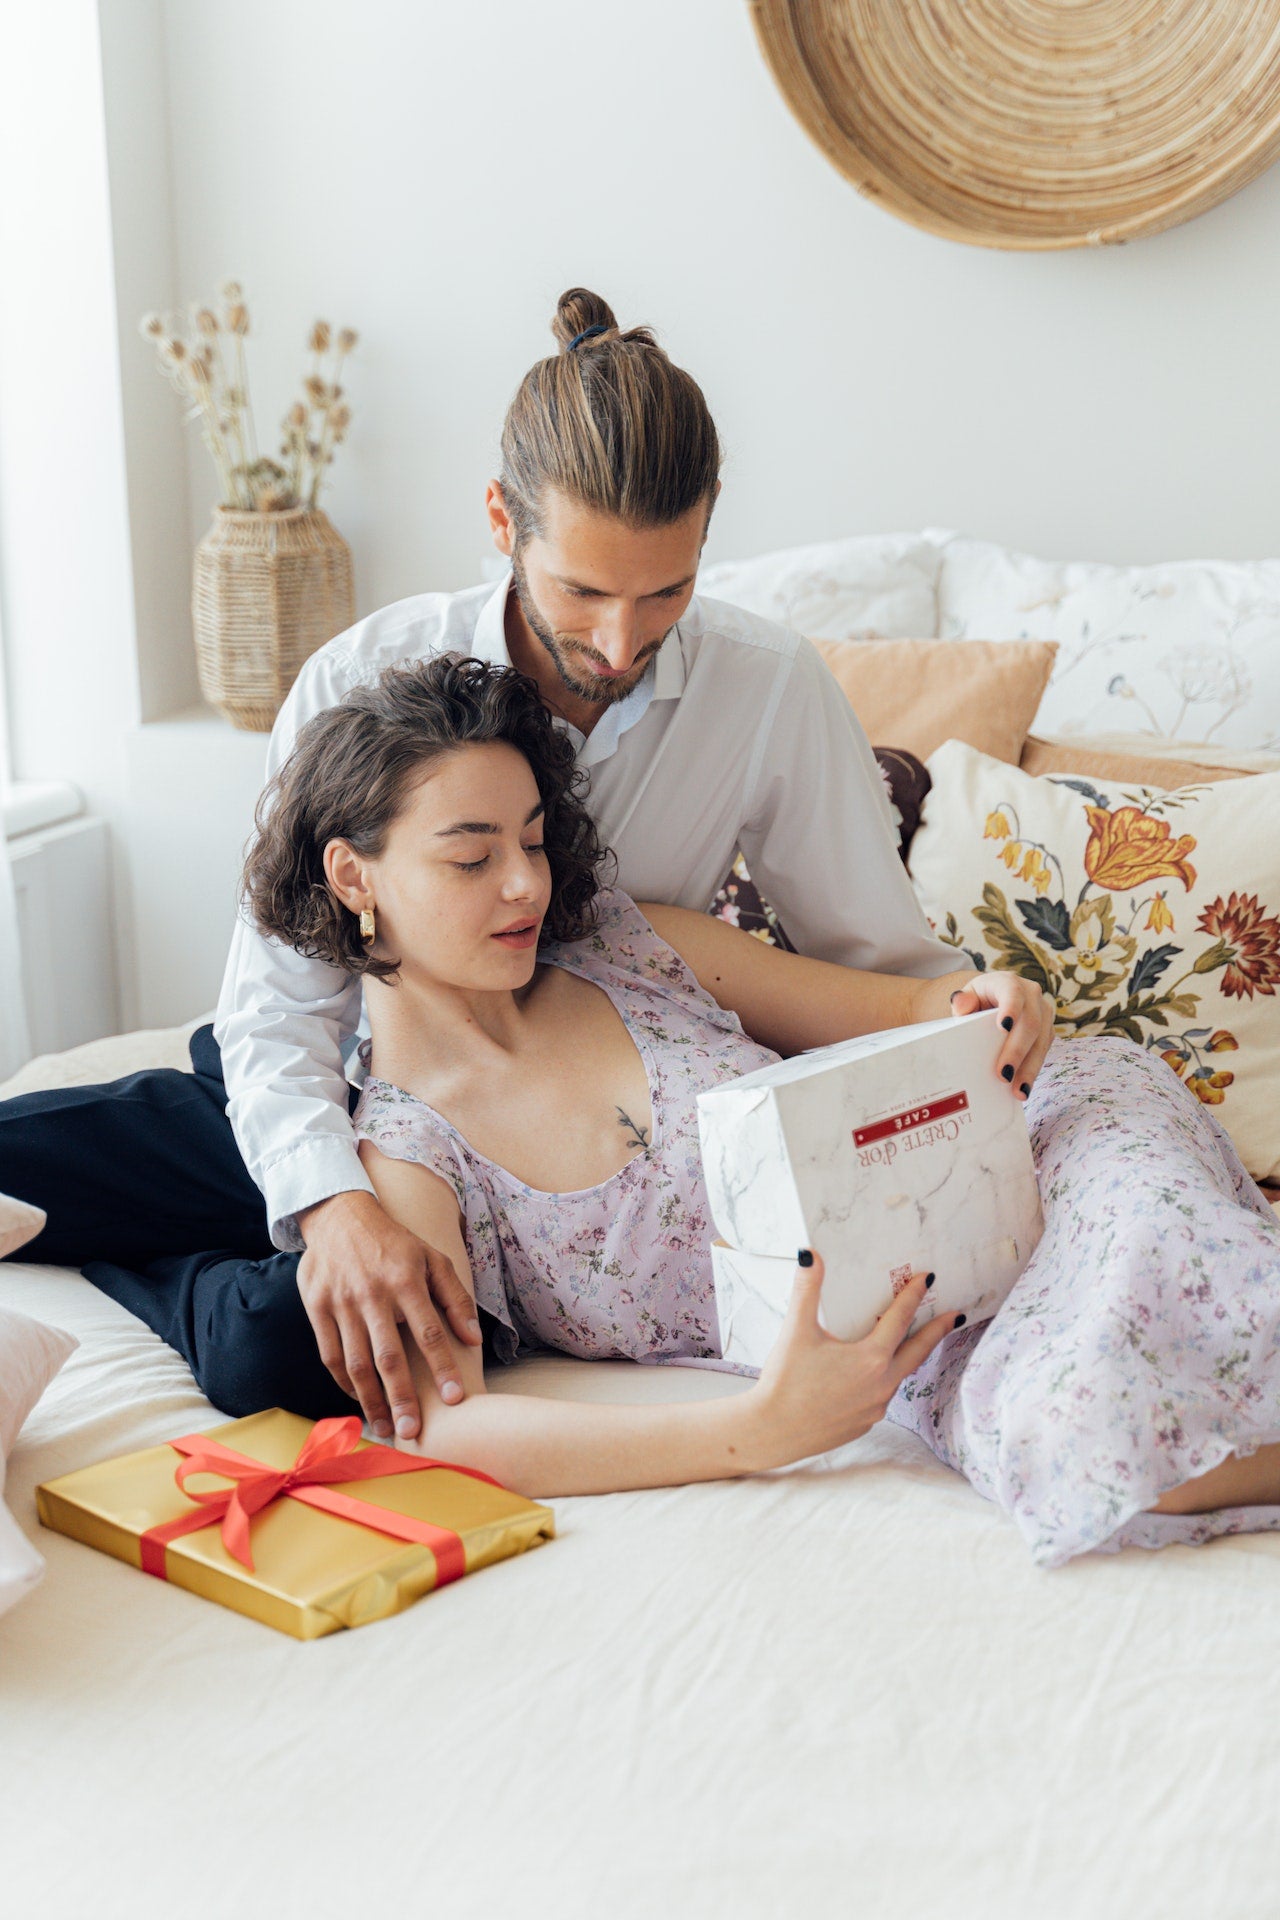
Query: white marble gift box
x=753 y=1291
x=899 y=1152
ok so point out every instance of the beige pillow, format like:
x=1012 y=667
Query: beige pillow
x=917 y=693
x=1154 y=746
x=1106 y=761
x=18 y=1224
x=1146 y=913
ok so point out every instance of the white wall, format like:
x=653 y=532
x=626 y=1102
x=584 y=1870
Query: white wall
x=146 y=278
x=65 y=577
x=436 y=173
x=193 y=782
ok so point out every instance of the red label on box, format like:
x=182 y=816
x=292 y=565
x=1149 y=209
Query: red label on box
x=912 y=1118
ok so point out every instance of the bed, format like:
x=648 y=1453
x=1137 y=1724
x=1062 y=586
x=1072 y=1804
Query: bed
x=838 y=1689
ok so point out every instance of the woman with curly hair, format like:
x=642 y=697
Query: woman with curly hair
x=708 y=731
x=537 y=1045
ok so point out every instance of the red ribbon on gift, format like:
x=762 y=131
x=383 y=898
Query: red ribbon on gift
x=330 y=1454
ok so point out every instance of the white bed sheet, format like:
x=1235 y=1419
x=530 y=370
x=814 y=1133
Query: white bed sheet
x=841 y=1689
x=838 y=1690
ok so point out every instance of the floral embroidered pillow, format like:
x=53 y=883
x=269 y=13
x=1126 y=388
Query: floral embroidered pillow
x=1154 y=914
x=871 y=586
x=1188 y=650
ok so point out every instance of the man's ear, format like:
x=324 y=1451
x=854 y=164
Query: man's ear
x=500 y=522
x=346 y=874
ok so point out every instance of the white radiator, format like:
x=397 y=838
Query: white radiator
x=61 y=875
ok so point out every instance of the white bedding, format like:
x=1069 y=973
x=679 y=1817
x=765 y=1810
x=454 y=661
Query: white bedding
x=840 y=1690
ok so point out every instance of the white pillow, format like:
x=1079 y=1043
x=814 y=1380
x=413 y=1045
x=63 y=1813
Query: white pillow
x=871 y=587
x=18 y=1224
x=1189 y=650
x=30 y=1355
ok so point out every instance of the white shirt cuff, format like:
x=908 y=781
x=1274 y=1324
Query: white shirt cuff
x=303 y=1178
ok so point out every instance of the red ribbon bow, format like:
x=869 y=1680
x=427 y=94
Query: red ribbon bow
x=329 y=1455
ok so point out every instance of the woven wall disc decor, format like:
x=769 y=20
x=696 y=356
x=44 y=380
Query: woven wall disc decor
x=1034 y=123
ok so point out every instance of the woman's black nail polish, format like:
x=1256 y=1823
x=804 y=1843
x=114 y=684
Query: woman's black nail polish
x=1007 y=1023
x=929 y=1279
x=805 y=1257
x=961 y=1318
x=1007 y=1072
x=1026 y=1089
x=956 y=995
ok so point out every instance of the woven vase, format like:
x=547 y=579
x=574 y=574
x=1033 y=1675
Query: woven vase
x=268 y=589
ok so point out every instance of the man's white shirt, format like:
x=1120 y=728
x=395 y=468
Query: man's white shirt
x=736 y=737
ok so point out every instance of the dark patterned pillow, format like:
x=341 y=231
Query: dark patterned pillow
x=739 y=900
x=908 y=781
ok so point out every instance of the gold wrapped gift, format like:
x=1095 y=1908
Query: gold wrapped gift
x=299 y=1523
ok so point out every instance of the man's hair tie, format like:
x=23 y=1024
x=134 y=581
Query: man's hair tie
x=586 y=334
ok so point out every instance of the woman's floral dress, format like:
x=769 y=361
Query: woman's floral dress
x=1138 y=1349
x=1141 y=1344
x=620 y=1271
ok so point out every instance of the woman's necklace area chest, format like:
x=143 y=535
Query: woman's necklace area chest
x=573 y=1105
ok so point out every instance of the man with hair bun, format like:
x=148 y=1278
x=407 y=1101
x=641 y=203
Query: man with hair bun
x=701 y=730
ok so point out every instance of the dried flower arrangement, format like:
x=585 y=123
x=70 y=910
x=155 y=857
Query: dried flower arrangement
x=203 y=357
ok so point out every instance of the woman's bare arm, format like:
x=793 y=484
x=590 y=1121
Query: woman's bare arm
x=815 y=1393
x=789 y=1003
x=546 y=1447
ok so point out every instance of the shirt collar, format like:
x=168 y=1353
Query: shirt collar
x=669 y=670
x=665 y=679
x=489 y=639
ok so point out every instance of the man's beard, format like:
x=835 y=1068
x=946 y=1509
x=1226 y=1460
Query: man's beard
x=580 y=681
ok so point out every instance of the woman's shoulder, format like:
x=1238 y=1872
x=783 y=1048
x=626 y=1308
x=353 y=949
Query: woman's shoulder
x=619 y=923
x=620 y=937
x=404 y=1127
x=624 y=945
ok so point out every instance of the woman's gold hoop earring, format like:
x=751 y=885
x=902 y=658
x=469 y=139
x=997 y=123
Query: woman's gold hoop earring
x=367 y=928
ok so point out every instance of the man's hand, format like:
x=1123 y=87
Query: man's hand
x=363 y=1277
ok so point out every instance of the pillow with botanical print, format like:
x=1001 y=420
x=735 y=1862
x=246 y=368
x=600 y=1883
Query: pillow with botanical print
x=1154 y=914
x=1186 y=650
x=871 y=586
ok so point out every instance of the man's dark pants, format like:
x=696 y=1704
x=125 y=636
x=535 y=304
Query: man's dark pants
x=146 y=1191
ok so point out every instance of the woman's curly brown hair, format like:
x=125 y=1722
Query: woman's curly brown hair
x=349 y=777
